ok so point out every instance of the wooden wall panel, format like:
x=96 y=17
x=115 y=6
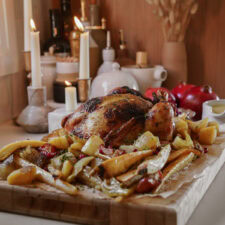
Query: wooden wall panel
x=205 y=39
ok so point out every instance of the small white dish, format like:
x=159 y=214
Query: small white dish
x=209 y=110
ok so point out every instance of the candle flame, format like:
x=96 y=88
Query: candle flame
x=32 y=25
x=68 y=83
x=78 y=24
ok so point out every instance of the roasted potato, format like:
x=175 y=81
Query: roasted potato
x=59 y=142
x=214 y=123
x=198 y=125
x=92 y=145
x=67 y=168
x=207 y=135
x=147 y=141
x=181 y=125
x=22 y=176
x=180 y=143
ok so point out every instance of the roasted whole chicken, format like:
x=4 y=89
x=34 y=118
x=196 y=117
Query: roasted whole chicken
x=120 y=117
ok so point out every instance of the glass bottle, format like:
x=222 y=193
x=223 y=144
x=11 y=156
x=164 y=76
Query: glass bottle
x=122 y=53
x=67 y=18
x=57 y=42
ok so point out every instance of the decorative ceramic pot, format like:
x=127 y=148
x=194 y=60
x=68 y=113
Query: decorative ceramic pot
x=105 y=82
x=174 y=59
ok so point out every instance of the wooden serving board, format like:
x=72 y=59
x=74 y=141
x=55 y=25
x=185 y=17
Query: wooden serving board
x=89 y=208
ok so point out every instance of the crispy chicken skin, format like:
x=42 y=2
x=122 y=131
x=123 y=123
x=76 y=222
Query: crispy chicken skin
x=117 y=118
x=159 y=120
x=120 y=117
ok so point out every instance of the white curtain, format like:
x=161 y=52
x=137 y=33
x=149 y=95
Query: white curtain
x=9 y=55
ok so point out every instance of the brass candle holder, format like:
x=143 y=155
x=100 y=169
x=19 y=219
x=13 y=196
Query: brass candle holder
x=27 y=61
x=84 y=87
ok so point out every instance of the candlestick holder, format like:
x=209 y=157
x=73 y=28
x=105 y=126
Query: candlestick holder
x=27 y=61
x=34 y=118
x=84 y=86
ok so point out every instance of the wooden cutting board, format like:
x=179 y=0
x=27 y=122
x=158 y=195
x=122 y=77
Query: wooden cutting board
x=89 y=208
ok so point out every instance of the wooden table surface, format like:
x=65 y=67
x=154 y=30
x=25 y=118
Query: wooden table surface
x=211 y=209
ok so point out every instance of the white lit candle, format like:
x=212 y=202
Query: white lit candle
x=27 y=6
x=70 y=97
x=35 y=57
x=84 y=72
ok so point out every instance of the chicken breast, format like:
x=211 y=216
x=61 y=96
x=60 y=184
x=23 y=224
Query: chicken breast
x=117 y=118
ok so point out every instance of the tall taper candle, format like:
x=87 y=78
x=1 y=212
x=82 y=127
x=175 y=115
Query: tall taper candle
x=84 y=72
x=35 y=57
x=27 y=11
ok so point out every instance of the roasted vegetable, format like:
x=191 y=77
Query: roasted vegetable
x=113 y=188
x=180 y=143
x=181 y=125
x=7 y=150
x=93 y=181
x=78 y=167
x=128 y=178
x=59 y=142
x=214 y=123
x=6 y=167
x=176 y=154
x=207 y=135
x=57 y=162
x=149 y=183
x=155 y=163
x=46 y=177
x=67 y=168
x=174 y=167
x=92 y=145
x=147 y=141
x=22 y=176
x=121 y=164
x=196 y=126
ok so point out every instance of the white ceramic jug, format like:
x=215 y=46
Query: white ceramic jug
x=147 y=77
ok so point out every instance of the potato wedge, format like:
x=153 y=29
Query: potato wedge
x=214 y=123
x=207 y=135
x=67 y=168
x=7 y=150
x=59 y=142
x=176 y=154
x=92 y=145
x=181 y=125
x=174 y=167
x=180 y=143
x=78 y=167
x=198 y=125
x=22 y=176
x=155 y=163
x=46 y=177
x=147 y=141
x=120 y=164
